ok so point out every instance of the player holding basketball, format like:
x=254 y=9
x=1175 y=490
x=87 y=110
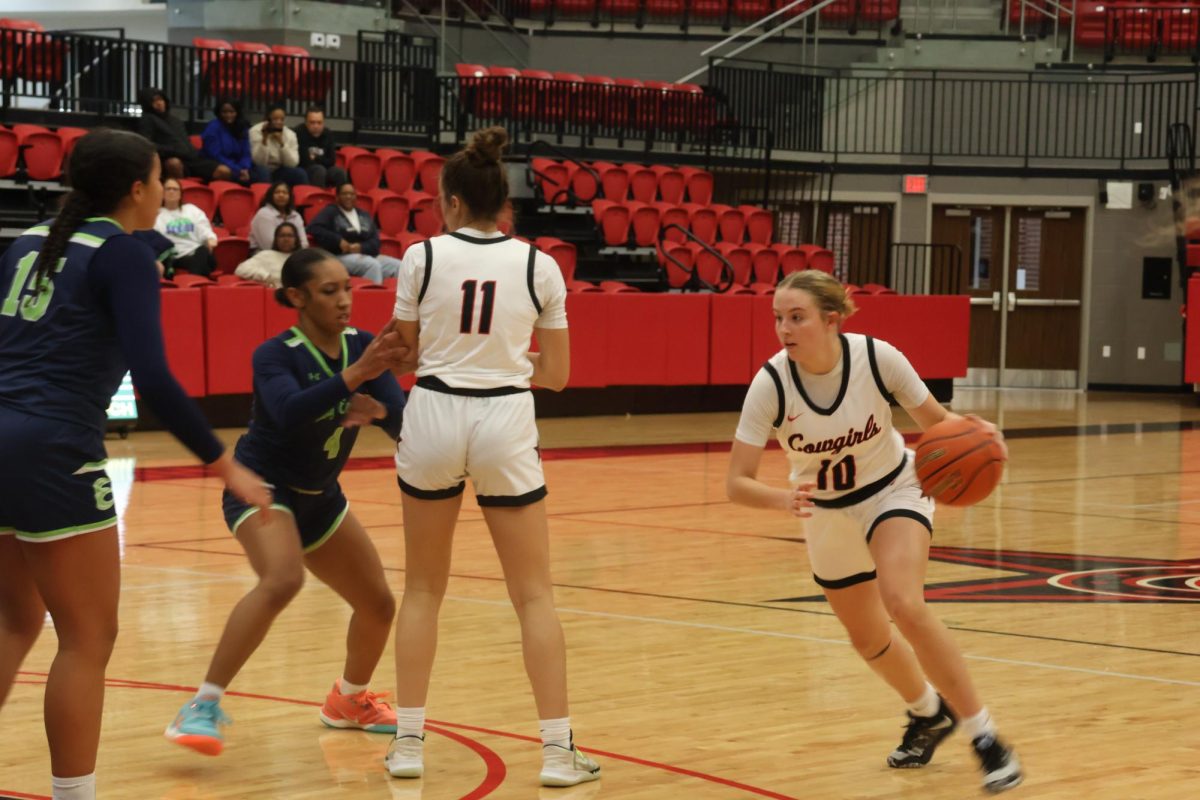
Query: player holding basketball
x=314 y=385
x=827 y=396
x=467 y=303
x=79 y=306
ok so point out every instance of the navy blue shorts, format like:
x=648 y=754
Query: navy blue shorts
x=52 y=479
x=317 y=514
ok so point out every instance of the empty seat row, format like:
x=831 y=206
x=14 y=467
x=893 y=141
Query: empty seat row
x=255 y=69
x=756 y=267
x=707 y=11
x=616 y=222
x=565 y=182
x=1137 y=26
x=44 y=151
x=556 y=97
x=27 y=52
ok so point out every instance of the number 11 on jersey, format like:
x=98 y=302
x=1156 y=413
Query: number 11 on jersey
x=488 y=290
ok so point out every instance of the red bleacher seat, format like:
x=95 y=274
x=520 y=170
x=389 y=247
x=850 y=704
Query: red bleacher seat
x=614 y=181
x=645 y=219
x=222 y=72
x=231 y=251
x=365 y=171
x=613 y=219
x=671 y=214
x=678 y=274
x=201 y=197
x=30 y=53
x=391 y=210
x=699 y=184
x=429 y=170
x=43 y=151
x=308 y=82
x=425 y=212
x=9 y=151
x=553 y=178
x=765 y=261
x=817 y=257
x=759 y=224
x=259 y=190
x=731 y=223
x=702 y=221
x=310 y=200
x=643 y=183
x=399 y=170
x=235 y=204
x=743 y=263
x=585 y=184
x=68 y=137
x=791 y=259
x=671 y=183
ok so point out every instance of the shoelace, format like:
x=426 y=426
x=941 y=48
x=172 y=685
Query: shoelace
x=919 y=730
x=210 y=709
x=369 y=699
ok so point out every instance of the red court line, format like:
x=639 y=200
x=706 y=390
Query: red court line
x=495 y=765
x=8 y=793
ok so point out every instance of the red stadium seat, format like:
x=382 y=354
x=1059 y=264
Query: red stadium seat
x=425 y=212
x=817 y=257
x=702 y=221
x=235 y=204
x=553 y=178
x=743 y=263
x=231 y=251
x=310 y=200
x=614 y=181
x=201 y=197
x=645 y=219
x=759 y=224
x=429 y=169
x=643 y=183
x=365 y=171
x=43 y=151
x=765 y=263
x=671 y=183
x=671 y=214
x=399 y=170
x=731 y=223
x=9 y=150
x=685 y=254
x=391 y=210
x=791 y=259
x=699 y=184
x=613 y=220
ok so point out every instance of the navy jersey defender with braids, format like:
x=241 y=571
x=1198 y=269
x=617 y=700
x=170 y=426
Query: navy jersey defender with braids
x=79 y=307
x=314 y=386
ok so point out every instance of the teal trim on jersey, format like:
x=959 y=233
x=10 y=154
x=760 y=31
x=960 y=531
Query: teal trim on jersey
x=91 y=466
x=252 y=511
x=337 y=523
x=316 y=354
x=64 y=533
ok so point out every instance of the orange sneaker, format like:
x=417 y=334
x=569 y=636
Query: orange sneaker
x=365 y=710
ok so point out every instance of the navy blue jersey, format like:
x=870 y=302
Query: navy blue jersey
x=64 y=350
x=296 y=438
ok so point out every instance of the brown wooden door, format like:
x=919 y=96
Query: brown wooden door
x=979 y=235
x=1043 y=302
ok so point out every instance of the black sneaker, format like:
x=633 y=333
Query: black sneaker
x=1001 y=769
x=922 y=737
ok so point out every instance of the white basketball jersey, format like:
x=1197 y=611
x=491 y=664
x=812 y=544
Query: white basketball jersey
x=478 y=300
x=849 y=446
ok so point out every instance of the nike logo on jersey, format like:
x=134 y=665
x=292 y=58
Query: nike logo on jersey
x=793 y=418
x=836 y=444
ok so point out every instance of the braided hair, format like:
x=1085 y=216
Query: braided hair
x=104 y=166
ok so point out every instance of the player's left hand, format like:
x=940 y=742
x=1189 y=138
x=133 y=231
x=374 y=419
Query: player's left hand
x=363 y=410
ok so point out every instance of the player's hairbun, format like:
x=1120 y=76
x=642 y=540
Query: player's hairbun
x=282 y=298
x=487 y=146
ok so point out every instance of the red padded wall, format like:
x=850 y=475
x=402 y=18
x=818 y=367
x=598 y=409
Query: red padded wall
x=182 y=314
x=233 y=328
x=730 y=347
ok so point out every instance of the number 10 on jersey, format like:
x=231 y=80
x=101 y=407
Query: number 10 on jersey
x=488 y=290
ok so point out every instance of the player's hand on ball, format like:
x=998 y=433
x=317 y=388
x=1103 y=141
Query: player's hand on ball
x=799 y=500
x=991 y=429
x=363 y=410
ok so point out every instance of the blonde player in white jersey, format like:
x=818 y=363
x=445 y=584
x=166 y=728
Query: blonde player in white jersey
x=467 y=304
x=827 y=397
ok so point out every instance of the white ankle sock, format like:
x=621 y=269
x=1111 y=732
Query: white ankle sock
x=979 y=725
x=927 y=704
x=210 y=691
x=81 y=788
x=410 y=721
x=346 y=687
x=556 y=731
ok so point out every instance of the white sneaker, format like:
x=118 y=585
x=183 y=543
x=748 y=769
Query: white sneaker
x=405 y=757
x=563 y=767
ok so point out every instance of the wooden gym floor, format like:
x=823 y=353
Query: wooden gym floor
x=703 y=664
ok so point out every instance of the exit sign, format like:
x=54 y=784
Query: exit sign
x=916 y=184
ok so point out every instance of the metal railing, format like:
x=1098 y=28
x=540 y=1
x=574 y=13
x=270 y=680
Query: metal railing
x=1035 y=118
x=1151 y=31
x=102 y=75
x=916 y=268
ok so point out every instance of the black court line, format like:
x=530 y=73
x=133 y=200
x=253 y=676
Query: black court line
x=1103 y=429
x=759 y=606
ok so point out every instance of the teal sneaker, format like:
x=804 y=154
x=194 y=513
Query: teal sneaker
x=198 y=726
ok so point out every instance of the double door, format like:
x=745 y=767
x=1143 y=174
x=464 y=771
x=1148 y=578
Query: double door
x=1023 y=268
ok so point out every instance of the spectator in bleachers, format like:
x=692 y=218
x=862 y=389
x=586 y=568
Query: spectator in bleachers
x=266 y=266
x=277 y=208
x=189 y=230
x=351 y=235
x=273 y=146
x=227 y=140
x=318 y=153
x=179 y=158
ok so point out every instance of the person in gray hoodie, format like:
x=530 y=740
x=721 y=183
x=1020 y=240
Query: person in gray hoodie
x=179 y=158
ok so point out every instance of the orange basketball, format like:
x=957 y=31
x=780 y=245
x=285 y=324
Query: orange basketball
x=958 y=462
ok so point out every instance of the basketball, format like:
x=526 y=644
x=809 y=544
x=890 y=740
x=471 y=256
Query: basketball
x=958 y=462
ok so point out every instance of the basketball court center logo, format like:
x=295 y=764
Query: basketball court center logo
x=1059 y=578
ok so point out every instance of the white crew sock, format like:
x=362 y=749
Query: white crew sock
x=410 y=722
x=81 y=788
x=346 y=687
x=210 y=691
x=556 y=731
x=979 y=725
x=927 y=704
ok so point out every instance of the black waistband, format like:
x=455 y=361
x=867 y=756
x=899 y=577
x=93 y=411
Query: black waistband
x=436 y=384
x=864 y=492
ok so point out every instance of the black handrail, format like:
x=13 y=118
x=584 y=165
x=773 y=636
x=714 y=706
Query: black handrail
x=569 y=190
x=695 y=283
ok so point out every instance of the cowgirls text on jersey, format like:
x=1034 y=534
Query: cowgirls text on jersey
x=835 y=445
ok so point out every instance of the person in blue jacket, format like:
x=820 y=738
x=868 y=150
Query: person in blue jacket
x=314 y=385
x=226 y=140
x=79 y=307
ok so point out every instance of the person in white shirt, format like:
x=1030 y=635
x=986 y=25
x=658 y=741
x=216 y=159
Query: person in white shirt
x=266 y=266
x=350 y=234
x=277 y=208
x=275 y=148
x=467 y=304
x=827 y=397
x=189 y=230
